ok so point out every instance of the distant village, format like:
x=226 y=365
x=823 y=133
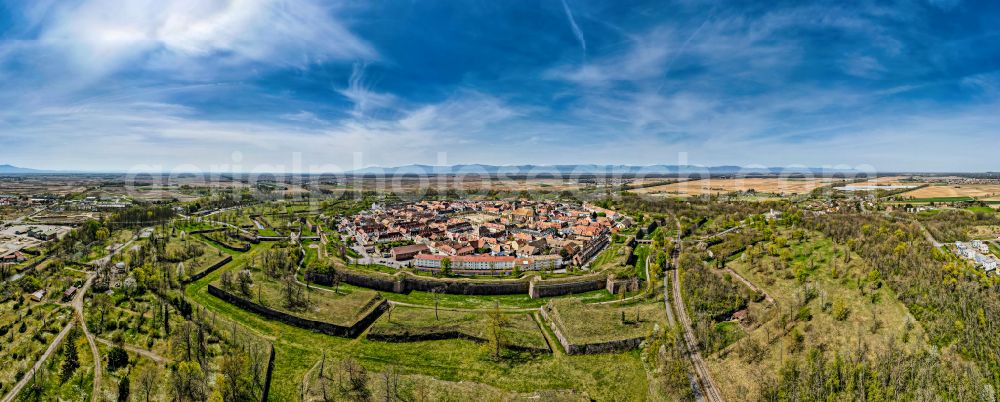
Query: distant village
x=486 y=235
x=54 y=203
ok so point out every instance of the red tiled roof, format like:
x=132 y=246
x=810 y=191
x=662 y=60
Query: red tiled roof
x=466 y=258
x=409 y=249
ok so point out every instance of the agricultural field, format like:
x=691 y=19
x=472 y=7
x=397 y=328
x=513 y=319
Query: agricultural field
x=469 y=183
x=953 y=192
x=57 y=185
x=783 y=186
x=890 y=181
x=65 y=217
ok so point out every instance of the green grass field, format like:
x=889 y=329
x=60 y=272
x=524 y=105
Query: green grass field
x=584 y=323
x=641 y=252
x=521 y=329
x=985 y=210
x=618 y=376
x=994 y=248
x=940 y=199
x=267 y=233
x=485 y=302
x=612 y=256
x=342 y=308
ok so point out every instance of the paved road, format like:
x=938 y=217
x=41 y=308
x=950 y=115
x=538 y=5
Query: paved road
x=369 y=259
x=38 y=365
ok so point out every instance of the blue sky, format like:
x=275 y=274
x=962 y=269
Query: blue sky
x=323 y=85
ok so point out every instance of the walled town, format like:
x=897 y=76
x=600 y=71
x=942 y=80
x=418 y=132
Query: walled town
x=487 y=235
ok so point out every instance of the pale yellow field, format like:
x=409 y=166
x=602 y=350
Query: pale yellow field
x=760 y=185
x=982 y=191
x=889 y=181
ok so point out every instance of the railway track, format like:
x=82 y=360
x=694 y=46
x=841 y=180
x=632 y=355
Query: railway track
x=709 y=391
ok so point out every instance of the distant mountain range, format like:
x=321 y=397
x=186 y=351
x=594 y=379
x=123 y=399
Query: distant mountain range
x=15 y=169
x=589 y=169
x=585 y=169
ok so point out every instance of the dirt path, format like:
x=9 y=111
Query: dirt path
x=751 y=285
x=737 y=227
x=139 y=351
x=78 y=307
x=469 y=310
x=38 y=364
x=927 y=235
x=106 y=259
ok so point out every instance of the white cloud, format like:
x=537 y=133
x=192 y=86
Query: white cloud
x=360 y=92
x=93 y=38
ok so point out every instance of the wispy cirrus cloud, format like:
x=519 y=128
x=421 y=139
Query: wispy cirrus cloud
x=576 y=28
x=361 y=93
